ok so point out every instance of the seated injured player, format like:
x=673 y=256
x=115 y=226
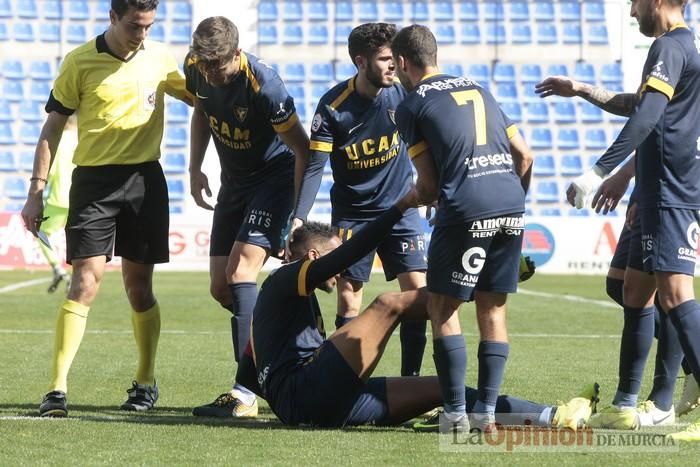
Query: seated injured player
x=310 y=379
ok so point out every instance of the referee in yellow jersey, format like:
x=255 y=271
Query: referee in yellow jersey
x=119 y=199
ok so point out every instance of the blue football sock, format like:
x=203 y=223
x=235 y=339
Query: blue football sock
x=244 y=295
x=412 y=346
x=513 y=411
x=492 y=365
x=686 y=319
x=340 y=321
x=229 y=307
x=668 y=357
x=450 y=355
x=657 y=322
x=246 y=375
x=637 y=337
x=686 y=366
x=614 y=289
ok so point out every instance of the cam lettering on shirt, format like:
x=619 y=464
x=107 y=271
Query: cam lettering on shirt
x=239 y=140
x=386 y=146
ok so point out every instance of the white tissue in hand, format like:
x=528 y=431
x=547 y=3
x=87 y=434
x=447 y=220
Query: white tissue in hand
x=585 y=185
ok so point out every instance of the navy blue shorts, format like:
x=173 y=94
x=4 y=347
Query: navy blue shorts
x=628 y=253
x=403 y=250
x=481 y=255
x=670 y=239
x=257 y=217
x=326 y=392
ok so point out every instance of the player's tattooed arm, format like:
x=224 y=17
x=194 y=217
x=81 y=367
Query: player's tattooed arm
x=616 y=103
x=620 y=103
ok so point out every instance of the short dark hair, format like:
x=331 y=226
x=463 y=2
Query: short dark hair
x=416 y=44
x=121 y=6
x=309 y=235
x=215 y=40
x=366 y=39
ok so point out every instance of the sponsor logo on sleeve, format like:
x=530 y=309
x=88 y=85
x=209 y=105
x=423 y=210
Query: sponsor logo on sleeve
x=659 y=71
x=316 y=122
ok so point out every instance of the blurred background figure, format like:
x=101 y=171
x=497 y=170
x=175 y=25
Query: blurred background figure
x=56 y=203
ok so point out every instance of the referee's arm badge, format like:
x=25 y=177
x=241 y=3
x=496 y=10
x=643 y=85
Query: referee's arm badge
x=149 y=100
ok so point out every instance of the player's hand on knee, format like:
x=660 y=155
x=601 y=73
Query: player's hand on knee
x=527 y=268
x=198 y=183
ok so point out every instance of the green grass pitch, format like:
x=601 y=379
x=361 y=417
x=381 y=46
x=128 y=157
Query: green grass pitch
x=557 y=345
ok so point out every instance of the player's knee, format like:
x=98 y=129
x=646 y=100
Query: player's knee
x=614 y=289
x=84 y=285
x=670 y=299
x=220 y=292
x=354 y=285
x=241 y=273
x=388 y=303
x=140 y=298
x=440 y=308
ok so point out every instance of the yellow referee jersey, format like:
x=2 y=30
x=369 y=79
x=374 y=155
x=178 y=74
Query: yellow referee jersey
x=120 y=103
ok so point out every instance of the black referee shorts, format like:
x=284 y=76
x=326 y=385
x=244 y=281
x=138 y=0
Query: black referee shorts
x=120 y=208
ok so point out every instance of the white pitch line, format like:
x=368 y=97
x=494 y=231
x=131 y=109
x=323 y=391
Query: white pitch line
x=107 y=418
x=28 y=417
x=178 y=332
x=115 y=332
x=21 y=285
x=570 y=298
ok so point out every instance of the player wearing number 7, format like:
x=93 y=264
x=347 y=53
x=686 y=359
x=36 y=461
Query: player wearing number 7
x=471 y=158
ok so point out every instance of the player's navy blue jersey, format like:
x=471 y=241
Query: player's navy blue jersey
x=371 y=169
x=668 y=161
x=287 y=323
x=244 y=118
x=468 y=134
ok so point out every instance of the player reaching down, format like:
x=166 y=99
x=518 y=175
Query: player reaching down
x=243 y=106
x=471 y=158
